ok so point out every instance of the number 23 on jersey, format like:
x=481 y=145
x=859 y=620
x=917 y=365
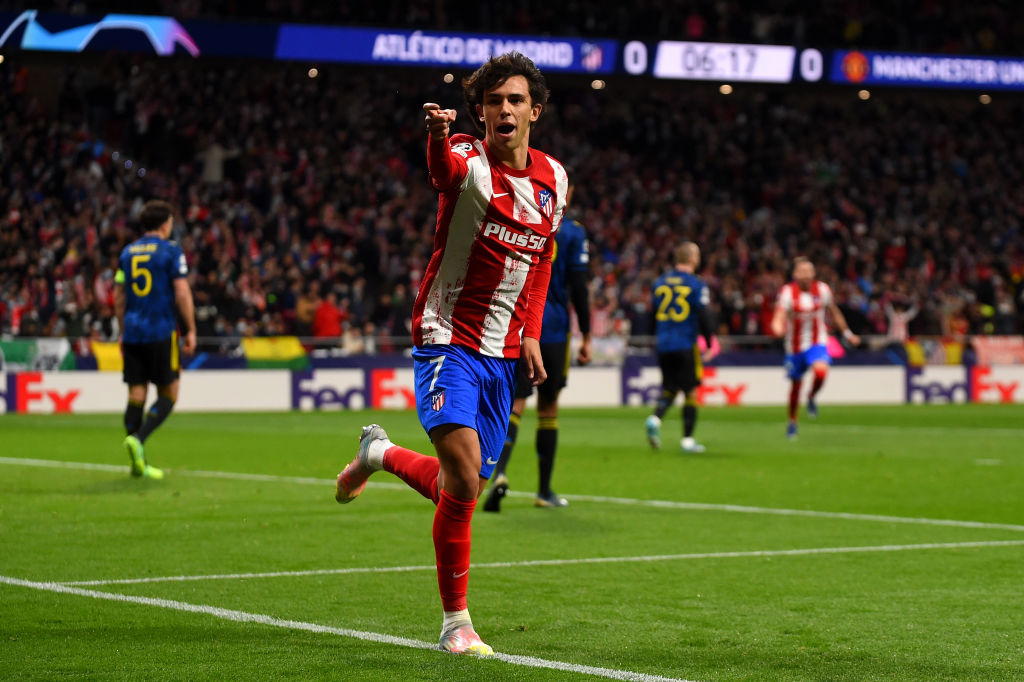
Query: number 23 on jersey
x=673 y=304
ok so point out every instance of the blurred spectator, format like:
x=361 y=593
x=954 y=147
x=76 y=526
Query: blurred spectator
x=306 y=307
x=899 y=315
x=328 y=318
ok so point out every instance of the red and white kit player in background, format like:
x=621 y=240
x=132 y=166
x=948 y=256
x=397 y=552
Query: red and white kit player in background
x=800 y=319
x=478 y=313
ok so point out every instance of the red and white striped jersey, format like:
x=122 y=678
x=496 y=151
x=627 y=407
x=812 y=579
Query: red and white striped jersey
x=805 y=315
x=486 y=283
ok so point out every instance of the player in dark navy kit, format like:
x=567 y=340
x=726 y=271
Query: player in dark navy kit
x=680 y=314
x=570 y=266
x=150 y=286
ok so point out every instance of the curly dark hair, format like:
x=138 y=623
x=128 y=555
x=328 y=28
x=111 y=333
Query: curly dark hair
x=496 y=71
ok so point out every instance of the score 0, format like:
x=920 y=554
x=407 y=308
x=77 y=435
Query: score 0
x=634 y=57
x=812 y=65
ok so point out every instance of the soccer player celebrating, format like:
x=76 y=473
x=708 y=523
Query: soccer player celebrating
x=478 y=311
x=569 y=268
x=149 y=284
x=800 y=318
x=680 y=314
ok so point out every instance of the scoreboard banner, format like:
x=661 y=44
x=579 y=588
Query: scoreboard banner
x=722 y=62
x=429 y=48
x=165 y=36
x=926 y=70
x=665 y=59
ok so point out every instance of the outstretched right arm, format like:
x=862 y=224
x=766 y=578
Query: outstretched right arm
x=447 y=169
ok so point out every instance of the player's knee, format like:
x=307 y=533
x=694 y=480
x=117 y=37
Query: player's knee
x=518 y=407
x=463 y=481
x=459 y=453
x=547 y=408
x=820 y=371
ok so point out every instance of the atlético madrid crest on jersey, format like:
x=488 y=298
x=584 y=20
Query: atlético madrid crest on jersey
x=437 y=401
x=547 y=206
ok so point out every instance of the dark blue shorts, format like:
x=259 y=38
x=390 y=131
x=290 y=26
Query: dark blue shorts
x=455 y=385
x=798 y=363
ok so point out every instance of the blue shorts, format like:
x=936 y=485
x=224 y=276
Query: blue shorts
x=798 y=363
x=455 y=385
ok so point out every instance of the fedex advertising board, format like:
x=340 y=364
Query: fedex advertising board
x=731 y=386
x=634 y=384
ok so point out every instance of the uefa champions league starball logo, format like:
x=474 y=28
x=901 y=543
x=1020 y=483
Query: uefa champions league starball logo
x=163 y=33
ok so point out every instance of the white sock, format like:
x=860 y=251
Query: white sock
x=455 y=619
x=375 y=453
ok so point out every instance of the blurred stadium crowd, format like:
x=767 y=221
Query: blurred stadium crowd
x=992 y=27
x=305 y=209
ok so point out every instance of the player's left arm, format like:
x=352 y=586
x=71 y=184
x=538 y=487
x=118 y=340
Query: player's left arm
x=580 y=294
x=705 y=323
x=530 y=349
x=183 y=299
x=840 y=322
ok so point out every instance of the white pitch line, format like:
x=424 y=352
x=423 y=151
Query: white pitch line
x=191 y=473
x=659 y=504
x=774 y=511
x=556 y=562
x=971 y=432
x=246 y=617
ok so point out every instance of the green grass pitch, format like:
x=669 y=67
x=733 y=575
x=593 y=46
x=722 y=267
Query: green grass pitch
x=700 y=568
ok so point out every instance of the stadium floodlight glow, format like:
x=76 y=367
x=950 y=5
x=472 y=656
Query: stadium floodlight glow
x=163 y=33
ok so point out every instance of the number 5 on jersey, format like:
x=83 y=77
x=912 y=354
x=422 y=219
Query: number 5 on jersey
x=139 y=271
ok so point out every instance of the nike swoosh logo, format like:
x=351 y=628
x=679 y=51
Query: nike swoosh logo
x=490 y=461
x=503 y=194
x=459 y=575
